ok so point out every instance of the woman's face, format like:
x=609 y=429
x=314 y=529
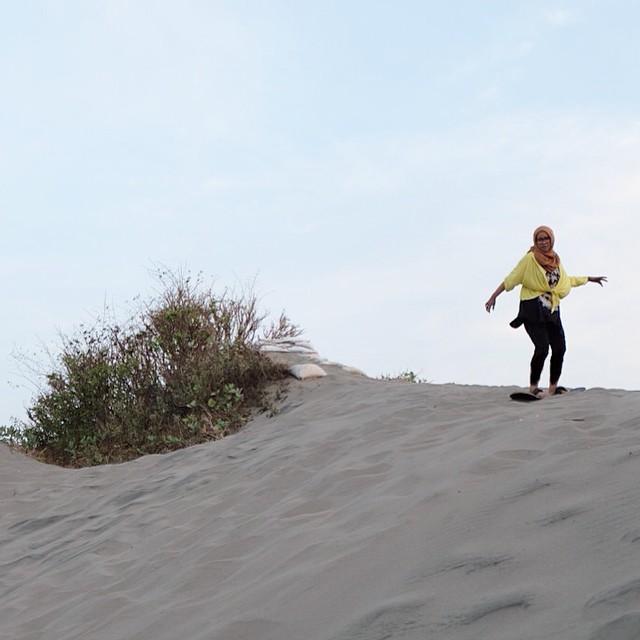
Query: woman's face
x=543 y=241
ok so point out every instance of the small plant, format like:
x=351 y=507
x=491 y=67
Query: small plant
x=184 y=369
x=404 y=376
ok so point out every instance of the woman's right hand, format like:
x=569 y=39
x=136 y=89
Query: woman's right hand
x=490 y=304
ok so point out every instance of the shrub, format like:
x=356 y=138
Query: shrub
x=183 y=370
x=404 y=376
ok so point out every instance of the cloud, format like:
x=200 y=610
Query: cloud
x=558 y=17
x=525 y=48
x=492 y=92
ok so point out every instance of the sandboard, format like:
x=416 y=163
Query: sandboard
x=526 y=396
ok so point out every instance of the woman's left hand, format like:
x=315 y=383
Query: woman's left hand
x=598 y=279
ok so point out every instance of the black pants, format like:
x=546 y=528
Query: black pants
x=545 y=335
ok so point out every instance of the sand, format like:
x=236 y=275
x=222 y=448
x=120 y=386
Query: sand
x=363 y=510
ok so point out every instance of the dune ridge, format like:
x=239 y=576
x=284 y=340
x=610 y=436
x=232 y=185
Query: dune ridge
x=364 y=509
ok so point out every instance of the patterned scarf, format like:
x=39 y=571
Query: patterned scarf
x=548 y=260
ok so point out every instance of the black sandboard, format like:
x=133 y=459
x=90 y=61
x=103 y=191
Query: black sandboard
x=526 y=396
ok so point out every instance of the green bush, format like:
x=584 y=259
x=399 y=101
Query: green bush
x=403 y=376
x=183 y=370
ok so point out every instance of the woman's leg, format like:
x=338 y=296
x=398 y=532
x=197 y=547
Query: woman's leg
x=558 y=349
x=539 y=335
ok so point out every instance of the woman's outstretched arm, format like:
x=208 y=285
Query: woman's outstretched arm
x=491 y=302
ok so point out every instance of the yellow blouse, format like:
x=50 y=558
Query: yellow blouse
x=533 y=279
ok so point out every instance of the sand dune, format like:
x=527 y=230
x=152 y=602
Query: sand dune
x=364 y=510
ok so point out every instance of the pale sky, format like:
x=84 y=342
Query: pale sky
x=375 y=167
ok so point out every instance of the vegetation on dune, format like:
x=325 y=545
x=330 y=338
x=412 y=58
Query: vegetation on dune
x=403 y=376
x=184 y=369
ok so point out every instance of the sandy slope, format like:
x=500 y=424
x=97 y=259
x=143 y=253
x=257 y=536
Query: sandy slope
x=364 y=510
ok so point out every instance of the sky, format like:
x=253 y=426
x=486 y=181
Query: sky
x=372 y=168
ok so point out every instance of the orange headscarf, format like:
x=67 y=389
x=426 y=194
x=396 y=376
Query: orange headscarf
x=548 y=260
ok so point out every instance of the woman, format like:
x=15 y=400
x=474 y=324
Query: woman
x=544 y=283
